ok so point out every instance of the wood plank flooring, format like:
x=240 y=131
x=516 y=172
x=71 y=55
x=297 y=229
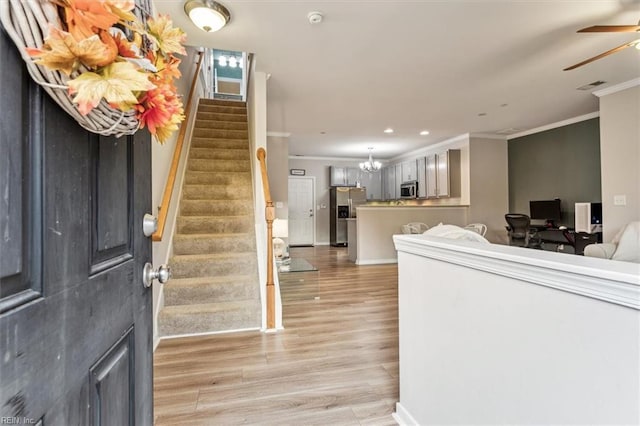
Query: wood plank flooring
x=335 y=363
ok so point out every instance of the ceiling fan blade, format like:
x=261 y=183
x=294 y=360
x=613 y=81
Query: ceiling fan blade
x=602 y=55
x=611 y=29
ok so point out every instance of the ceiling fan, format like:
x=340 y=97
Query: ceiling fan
x=609 y=29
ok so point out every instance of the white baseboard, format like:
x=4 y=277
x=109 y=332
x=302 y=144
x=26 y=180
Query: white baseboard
x=376 y=261
x=402 y=416
x=209 y=333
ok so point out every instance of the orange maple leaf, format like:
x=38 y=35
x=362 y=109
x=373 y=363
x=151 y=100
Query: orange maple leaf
x=61 y=51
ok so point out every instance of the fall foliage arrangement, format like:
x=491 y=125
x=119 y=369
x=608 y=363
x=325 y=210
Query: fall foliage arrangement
x=104 y=53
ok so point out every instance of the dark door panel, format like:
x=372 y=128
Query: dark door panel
x=75 y=319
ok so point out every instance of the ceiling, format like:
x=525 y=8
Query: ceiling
x=450 y=67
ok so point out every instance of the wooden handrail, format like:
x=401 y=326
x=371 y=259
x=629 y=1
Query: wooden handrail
x=173 y=171
x=270 y=214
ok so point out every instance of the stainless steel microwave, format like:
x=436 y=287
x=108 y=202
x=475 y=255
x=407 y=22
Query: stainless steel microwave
x=409 y=189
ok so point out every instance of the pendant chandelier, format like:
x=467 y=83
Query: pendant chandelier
x=370 y=166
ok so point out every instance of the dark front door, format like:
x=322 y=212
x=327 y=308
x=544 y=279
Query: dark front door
x=75 y=319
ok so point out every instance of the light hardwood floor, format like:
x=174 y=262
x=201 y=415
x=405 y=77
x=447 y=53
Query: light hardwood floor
x=335 y=363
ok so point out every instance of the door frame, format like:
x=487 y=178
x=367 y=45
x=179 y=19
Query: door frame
x=313 y=197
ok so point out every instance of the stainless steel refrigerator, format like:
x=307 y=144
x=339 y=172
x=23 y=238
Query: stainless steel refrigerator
x=342 y=206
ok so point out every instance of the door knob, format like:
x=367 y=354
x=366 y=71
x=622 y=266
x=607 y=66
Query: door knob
x=162 y=274
x=149 y=224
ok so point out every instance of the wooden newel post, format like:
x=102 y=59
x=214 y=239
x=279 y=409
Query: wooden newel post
x=270 y=215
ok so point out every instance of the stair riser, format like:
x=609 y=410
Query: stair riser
x=219 y=143
x=214 y=225
x=182 y=267
x=171 y=325
x=200 y=165
x=215 y=292
x=216 y=192
x=239 y=118
x=218 y=178
x=219 y=154
x=220 y=125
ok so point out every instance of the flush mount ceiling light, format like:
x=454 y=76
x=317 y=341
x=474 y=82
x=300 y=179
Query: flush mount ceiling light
x=370 y=166
x=207 y=15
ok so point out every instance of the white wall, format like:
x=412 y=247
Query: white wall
x=257 y=116
x=489 y=186
x=620 y=155
x=494 y=334
x=161 y=158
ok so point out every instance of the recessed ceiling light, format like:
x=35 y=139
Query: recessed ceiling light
x=424 y=133
x=482 y=114
x=388 y=130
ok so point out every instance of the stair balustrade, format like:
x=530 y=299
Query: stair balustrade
x=270 y=215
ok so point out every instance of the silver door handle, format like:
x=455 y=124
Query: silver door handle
x=162 y=274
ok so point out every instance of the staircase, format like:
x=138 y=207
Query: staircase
x=215 y=284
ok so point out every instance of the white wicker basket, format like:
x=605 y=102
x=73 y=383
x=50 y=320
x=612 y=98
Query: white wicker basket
x=27 y=22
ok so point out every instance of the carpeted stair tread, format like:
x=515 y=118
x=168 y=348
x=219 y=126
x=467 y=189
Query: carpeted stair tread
x=223 y=125
x=216 y=207
x=216 y=192
x=183 y=291
x=209 y=102
x=206 y=142
x=214 y=224
x=207 y=318
x=221 y=116
x=200 y=132
x=199 y=165
x=193 y=177
x=216 y=264
x=238 y=242
x=215 y=153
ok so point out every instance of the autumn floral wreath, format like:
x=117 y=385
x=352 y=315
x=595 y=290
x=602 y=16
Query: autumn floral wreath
x=117 y=72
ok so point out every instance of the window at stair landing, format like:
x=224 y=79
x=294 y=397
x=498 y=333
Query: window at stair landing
x=228 y=79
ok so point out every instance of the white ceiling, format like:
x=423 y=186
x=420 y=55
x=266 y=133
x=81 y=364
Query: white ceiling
x=414 y=65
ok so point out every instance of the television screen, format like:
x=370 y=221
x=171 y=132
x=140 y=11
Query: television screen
x=545 y=210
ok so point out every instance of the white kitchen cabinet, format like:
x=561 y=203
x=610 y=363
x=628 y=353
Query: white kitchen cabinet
x=389 y=183
x=343 y=176
x=372 y=182
x=399 y=180
x=409 y=171
x=421 y=164
x=443 y=174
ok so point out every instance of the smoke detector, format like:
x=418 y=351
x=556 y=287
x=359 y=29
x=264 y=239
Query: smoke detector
x=315 y=17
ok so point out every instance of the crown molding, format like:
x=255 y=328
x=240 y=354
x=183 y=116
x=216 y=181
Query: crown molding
x=448 y=143
x=555 y=125
x=279 y=134
x=617 y=88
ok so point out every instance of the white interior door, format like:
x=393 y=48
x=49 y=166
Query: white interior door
x=302 y=220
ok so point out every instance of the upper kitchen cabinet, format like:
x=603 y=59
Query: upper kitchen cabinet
x=372 y=182
x=343 y=176
x=389 y=183
x=443 y=174
x=422 y=177
x=409 y=171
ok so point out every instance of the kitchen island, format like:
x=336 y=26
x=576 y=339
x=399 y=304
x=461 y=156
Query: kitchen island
x=370 y=238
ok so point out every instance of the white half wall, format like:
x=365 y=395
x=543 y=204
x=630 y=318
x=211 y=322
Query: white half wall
x=492 y=334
